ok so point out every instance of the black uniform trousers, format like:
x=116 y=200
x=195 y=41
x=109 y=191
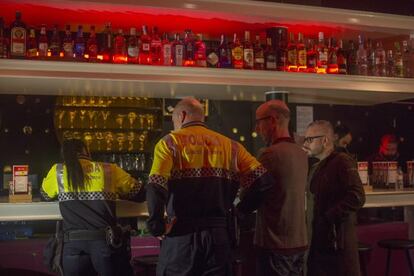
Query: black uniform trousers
x=204 y=252
x=95 y=257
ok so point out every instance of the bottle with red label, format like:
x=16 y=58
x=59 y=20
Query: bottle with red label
x=68 y=44
x=107 y=45
x=156 y=46
x=237 y=53
x=145 y=49
x=200 y=52
x=177 y=51
x=43 y=43
x=120 y=55
x=32 y=47
x=166 y=50
x=248 y=52
x=188 y=48
x=133 y=49
x=18 y=36
x=92 y=46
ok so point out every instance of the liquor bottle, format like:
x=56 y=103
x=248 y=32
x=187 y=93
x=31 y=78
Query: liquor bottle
x=322 y=55
x=380 y=60
x=212 y=54
x=258 y=51
x=302 y=54
x=166 y=50
x=32 y=47
x=237 y=53
x=333 y=67
x=292 y=54
x=370 y=58
x=398 y=61
x=3 y=40
x=311 y=57
x=144 y=55
x=390 y=64
x=80 y=44
x=352 y=59
x=281 y=49
x=410 y=64
x=156 y=47
x=68 y=44
x=188 y=48
x=92 y=46
x=362 y=57
x=177 y=51
x=120 y=55
x=224 y=52
x=107 y=45
x=43 y=43
x=248 y=53
x=270 y=56
x=18 y=38
x=341 y=57
x=133 y=49
x=54 y=47
x=200 y=52
x=406 y=59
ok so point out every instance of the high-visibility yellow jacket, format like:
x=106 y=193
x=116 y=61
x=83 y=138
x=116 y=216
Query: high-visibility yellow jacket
x=196 y=174
x=94 y=207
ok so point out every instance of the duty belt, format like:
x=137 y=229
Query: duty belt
x=84 y=235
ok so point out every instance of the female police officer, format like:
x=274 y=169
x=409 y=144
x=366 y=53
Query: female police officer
x=87 y=191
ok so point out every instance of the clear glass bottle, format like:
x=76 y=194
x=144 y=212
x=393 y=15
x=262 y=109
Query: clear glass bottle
x=380 y=60
x=156 y=47
x=362 y=57
x=166 y=50
x=43 y=43
x=322 y=54
x=178 y=51
x=133 y=49
x=68 y=44
x=145 y=49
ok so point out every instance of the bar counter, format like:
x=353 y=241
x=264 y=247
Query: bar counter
x=38 y=210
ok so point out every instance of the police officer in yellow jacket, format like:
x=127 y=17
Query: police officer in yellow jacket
x=87 y=191
x=195 y=176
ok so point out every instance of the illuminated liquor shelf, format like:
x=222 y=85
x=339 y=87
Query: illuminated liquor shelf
x=71 y=78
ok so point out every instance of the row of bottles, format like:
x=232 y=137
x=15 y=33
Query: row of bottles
x=365 y=57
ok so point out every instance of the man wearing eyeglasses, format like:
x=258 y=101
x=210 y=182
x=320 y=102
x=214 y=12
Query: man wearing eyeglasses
x=280 y=234
x=338 y=195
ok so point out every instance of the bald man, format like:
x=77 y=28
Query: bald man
x=338 y=195
x=280 y=234
x=195 y=176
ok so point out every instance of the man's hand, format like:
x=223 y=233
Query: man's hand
x=168 y=227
